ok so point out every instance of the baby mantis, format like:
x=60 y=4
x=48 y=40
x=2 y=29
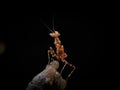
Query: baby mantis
x=59 y=53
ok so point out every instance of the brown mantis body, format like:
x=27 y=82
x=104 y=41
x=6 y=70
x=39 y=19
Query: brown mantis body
x=59 y=53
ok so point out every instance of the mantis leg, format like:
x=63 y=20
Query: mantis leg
x=71 y=71
x=63 y=68
x=48 y=57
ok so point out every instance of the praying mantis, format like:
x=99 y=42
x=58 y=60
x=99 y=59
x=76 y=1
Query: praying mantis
x=58 y=54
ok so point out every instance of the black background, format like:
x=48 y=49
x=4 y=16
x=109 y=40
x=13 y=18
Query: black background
x=27 y=41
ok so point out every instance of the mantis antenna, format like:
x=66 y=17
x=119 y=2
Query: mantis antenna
x=47 y=26
x=53 y=24
x=53 y=28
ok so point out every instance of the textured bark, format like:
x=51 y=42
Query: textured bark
x=48 y=79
